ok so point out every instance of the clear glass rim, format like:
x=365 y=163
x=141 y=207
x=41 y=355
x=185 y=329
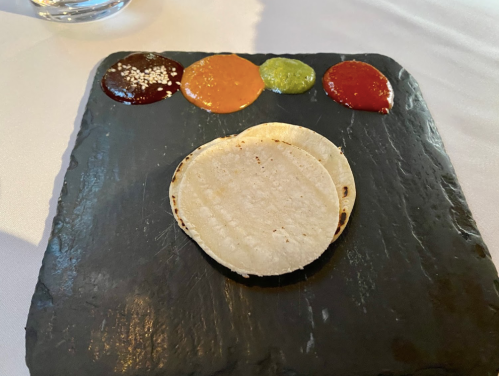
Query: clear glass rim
x=75 y=11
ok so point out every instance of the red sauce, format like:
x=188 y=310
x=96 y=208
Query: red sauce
x=142 y=78
x=359 y=86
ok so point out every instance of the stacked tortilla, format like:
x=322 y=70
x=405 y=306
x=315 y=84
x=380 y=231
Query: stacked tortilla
x=267 y=201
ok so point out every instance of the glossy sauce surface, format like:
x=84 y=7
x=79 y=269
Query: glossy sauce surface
x=222 y=83
x=287 y=76
x=142 y=78
x=359 y=86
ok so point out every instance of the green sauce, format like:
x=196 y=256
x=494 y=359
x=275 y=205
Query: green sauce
x=287 y=76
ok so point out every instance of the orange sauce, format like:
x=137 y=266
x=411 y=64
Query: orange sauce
x=222 y=83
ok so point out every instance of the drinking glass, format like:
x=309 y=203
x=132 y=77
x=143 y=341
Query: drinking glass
x=77 y=10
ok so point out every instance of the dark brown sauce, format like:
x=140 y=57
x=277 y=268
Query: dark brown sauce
x=142 y=78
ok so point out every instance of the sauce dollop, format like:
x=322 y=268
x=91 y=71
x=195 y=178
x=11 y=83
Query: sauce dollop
x=287 y=76
x=222 y=83
x=359 y=86
x=142 y=78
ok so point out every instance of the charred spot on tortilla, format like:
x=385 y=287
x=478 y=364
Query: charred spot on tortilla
x=343 y=218
x=345 y=191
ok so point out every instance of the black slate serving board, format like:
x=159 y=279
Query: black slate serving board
x=408 y=289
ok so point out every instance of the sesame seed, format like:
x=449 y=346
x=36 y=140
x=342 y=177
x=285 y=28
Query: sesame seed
x=174 y=69
x=142 y=79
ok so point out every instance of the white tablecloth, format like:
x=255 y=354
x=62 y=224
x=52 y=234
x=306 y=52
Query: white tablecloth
x=450 y=46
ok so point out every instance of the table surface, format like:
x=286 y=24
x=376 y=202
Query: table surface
x=449 y=46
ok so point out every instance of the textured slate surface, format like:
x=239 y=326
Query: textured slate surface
x=408 y=289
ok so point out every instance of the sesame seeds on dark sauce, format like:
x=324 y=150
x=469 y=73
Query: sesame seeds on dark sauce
x=142 y=78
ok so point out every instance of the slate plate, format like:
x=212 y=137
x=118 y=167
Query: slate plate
x=408 y=289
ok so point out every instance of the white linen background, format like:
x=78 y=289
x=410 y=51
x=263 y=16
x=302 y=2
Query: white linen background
x=451 y=47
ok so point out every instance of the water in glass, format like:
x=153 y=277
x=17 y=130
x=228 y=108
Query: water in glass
x=77 y=10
